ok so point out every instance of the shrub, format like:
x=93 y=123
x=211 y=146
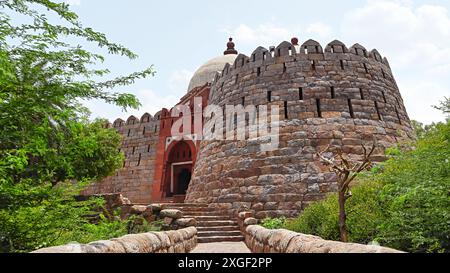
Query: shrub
x=416 y=196
x=363 y=215
x=273 y=223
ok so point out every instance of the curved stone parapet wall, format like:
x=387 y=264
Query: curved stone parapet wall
x=338 y=96
x=174 y=241
x=261 y=240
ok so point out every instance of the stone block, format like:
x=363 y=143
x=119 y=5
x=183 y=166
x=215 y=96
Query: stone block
x=171 y=213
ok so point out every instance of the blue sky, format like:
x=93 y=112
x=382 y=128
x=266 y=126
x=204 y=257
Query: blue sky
x=179 y=36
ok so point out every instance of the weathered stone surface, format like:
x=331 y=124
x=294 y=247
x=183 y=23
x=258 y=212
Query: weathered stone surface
x=108 y=246
x=135 y=243
x=250 y=221
x=168 y=220
x=186 y=222
x=156 y=208
x=136 y=209
x=69 y=248
x=179 y=241
x=171 y=213
x=259 y=239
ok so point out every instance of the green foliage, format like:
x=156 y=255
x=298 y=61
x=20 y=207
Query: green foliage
x=273 y=223
x=48 y=149
x=403 y=203
x=363 y=215
x=416 y=197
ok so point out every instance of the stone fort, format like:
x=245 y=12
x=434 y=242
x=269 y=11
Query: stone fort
x=338 y=96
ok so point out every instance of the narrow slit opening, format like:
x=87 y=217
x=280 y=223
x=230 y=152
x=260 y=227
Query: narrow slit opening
x=300 y=93
x=398 y=116
x=378 y=110
x=333 y=95
x=350 y=108
x=319 y=112
x=285 y=110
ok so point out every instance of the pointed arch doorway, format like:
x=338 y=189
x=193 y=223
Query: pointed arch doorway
x=178 y=171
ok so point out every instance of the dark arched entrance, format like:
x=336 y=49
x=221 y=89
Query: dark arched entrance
x=184 y=177
x=178 y=171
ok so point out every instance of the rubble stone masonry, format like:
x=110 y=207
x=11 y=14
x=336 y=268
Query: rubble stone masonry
x=338 y=96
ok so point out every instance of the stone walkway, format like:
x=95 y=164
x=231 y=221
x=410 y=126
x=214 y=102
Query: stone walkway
x=222 y=247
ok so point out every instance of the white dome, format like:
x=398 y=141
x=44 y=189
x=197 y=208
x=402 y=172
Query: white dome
x=207 y=71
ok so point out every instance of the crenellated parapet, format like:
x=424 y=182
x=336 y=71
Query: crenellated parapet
x=139 y=146
x=341 y=78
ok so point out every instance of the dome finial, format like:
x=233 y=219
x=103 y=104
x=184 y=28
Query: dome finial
x=294 y=41
x=230 y=47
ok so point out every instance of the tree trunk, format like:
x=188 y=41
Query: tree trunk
x=342 y=217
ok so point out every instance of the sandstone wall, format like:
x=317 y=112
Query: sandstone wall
x=139 y=144
x=174 y=241
x=261 y=240
x=343 y=97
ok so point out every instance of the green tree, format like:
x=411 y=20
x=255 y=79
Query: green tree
x=48 y=149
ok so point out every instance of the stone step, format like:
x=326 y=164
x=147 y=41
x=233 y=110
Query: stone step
x=218 y=233
x=213 y=239
x=218 y=228
x=184 y=205
x=215 y=223
x=204 y=213
x=209 y=217
x=190 y=209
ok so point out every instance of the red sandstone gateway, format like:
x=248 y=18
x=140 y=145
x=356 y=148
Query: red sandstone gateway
x=339 y=96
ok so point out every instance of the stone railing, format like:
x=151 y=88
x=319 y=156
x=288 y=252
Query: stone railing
x=261 y=240
x=172 y=241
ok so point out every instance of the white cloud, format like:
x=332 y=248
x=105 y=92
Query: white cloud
x=153 y=102
x=408 y=35
x=264 y=34
x=419 y=98
x=319 y=30
x=179 y=80
x=73 y=2
x=272 y=33
x=416 y=40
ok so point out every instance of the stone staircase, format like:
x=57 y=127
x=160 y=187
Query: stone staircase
x=212 y=225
